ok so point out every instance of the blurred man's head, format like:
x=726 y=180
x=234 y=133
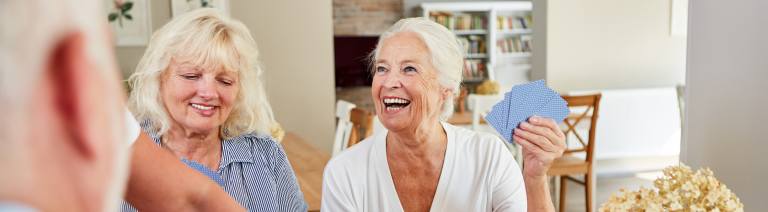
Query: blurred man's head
x=61 y=135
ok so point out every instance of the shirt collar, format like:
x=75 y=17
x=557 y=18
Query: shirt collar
x=236 y=150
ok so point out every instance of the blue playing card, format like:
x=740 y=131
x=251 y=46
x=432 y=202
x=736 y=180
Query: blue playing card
x=556 y=109
x=497 y=117
x=540 y=95
x=520 y=95
x=524 y=101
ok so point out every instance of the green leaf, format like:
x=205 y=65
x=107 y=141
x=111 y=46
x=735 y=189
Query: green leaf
x=128 y=16
x=112 y=17
x=127 y=6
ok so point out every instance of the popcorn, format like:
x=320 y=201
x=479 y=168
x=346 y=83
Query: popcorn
x=679 y=190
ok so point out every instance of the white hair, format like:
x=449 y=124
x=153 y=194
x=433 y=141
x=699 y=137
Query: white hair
x=444 y=54
x=208 y=39
x=29 y=32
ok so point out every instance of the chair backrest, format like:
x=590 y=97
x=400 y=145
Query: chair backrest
x=592 y=102
x=481 y=105
x=344 y=126
x=360 y=118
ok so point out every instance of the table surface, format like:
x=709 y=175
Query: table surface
x=463 y=118
x=308 y=163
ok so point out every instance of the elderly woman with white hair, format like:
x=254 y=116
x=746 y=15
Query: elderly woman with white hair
x=198 y=92
x=421 y=163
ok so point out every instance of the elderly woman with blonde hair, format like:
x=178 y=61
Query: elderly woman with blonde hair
x=198 y=92
x=422 y=163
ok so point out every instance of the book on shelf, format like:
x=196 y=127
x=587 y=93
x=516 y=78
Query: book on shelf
x=472 y=44
x=473 y=68
x=510 y=22
x=514 y=44
x=459 y=21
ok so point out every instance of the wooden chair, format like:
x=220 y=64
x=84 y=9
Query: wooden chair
x=460 y=100
x=360 y=118
x=570 y=165
x=343 y=127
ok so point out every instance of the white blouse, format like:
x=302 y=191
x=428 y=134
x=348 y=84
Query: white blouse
x=479 y=174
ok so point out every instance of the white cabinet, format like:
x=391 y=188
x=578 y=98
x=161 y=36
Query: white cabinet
x=495 y=35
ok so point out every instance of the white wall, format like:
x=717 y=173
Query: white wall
x=726 y=105
x=295 y=39
x=608 y=44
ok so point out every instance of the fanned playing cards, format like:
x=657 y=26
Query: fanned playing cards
x=524 y=101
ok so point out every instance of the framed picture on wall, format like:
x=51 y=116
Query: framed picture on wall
x=130 y=21
x=179 y=7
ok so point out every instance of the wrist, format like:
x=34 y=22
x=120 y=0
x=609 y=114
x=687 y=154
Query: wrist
x=535 y=178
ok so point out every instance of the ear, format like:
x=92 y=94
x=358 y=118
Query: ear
x=447 y=93
x=71 y=76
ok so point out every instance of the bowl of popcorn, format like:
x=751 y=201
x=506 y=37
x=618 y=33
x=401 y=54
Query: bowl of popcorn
x=680 y=189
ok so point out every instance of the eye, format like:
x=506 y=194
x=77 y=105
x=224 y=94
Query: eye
x=190 y=77
x=410 y=68
x=225 y=82
x=381 y=69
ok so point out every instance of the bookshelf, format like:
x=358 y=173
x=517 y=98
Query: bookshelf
x=495 y=36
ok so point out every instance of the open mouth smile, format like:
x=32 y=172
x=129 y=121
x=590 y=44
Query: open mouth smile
x=393 y=104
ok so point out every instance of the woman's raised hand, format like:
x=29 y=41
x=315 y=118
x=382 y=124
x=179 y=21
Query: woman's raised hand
x=543 y=143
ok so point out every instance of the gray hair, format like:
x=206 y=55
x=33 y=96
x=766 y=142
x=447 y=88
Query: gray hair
x=444 y=51
x=207 y=38
x=29 y=32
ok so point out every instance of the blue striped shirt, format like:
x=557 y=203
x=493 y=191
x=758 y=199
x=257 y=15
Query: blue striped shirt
x=256 y=174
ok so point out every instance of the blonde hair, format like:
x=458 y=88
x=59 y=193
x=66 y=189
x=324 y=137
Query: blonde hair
x=208 y=39
x=444 y=54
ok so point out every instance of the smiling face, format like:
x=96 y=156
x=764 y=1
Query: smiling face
x=198 y=100
x=405 y=90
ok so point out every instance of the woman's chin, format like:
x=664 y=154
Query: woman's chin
x=394 y=124
x=202 y=128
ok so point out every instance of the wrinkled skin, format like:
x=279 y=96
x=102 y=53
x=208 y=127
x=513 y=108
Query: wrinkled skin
x=408 y=74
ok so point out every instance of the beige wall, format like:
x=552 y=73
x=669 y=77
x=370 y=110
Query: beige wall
x=128 y=57
x=725 y=121
x=608 y=44
x=296 y=43
x=295 y=39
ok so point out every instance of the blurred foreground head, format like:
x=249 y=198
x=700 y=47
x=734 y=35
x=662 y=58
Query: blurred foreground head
x=61 y=137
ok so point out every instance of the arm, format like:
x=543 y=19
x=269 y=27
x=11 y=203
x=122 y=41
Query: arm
x=159 y=181
x=543 y=143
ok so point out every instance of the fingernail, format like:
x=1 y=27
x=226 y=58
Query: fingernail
x=534 y=119
x=523 y=124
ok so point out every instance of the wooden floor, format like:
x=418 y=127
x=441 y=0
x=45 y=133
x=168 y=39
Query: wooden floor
x=308 y=163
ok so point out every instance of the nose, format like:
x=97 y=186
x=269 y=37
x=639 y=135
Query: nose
x=207 y=90
x=392 y=81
